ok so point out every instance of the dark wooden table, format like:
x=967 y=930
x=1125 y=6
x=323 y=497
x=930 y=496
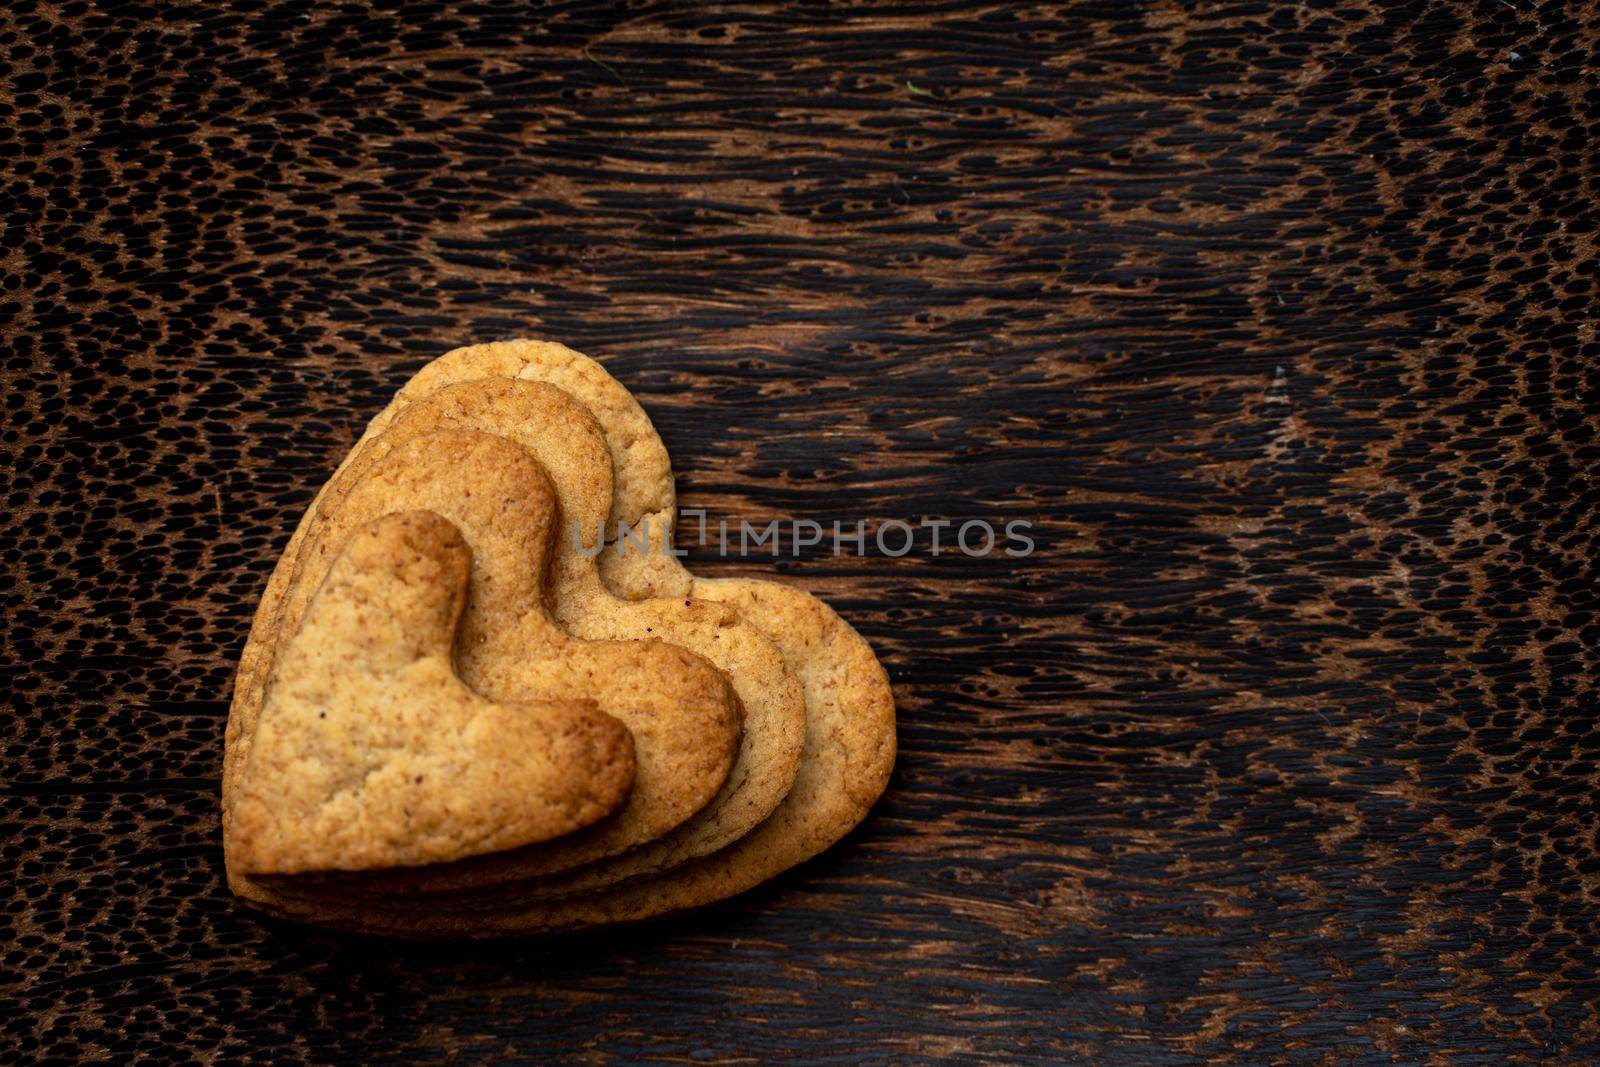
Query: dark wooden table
x=1275 y=319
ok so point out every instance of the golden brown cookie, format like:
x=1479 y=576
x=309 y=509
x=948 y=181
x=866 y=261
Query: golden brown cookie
x=850 y=736
x=564 y=438
x=370 y=751
x=681 y=711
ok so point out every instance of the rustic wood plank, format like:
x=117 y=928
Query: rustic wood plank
x=1274 y=319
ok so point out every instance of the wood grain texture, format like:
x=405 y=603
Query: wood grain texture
x=1275 y=318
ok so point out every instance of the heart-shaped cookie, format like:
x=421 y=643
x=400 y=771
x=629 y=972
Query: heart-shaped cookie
x=681 y=711
x=370 y=752
x=849 y=741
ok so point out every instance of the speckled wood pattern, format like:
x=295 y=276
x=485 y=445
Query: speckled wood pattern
x=1275 y=319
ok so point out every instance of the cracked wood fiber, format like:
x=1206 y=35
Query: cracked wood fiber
x=1275 y=319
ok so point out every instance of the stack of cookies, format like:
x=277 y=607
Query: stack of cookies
x=465 y=710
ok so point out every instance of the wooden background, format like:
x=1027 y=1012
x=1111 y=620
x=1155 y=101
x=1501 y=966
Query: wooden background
x=1276 y=320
